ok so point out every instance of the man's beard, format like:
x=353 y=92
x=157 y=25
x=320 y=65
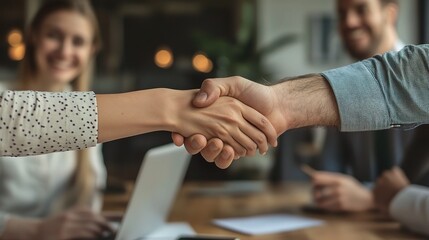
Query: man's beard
x=371 y=50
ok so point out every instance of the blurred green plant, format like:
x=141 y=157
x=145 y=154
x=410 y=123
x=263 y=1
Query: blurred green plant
x=241 y=56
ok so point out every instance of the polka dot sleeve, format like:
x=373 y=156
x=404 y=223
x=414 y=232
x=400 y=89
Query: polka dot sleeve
x=42 y=122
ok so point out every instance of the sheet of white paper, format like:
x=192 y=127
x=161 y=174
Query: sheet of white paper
x=267 y=224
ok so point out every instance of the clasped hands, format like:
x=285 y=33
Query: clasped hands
x=221 y=149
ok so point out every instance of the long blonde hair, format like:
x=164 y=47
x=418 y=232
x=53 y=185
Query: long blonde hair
x=82 y=185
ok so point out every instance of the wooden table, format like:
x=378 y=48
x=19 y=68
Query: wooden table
x=199 y=208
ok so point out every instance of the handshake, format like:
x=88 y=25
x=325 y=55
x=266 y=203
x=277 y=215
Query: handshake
x=258 y=115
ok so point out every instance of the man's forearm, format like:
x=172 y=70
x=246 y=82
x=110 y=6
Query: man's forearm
x=307 y=101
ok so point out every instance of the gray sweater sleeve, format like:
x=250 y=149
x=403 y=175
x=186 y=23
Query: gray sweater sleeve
x=410 y=207
x=42 y=122
x=384 y=91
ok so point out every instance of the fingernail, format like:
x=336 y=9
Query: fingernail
x=225 y=155
x=213 y=147
x=264 y=153
x=201 y=96
x=195 y=144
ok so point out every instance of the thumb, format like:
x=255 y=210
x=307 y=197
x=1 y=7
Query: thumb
x=212 y=89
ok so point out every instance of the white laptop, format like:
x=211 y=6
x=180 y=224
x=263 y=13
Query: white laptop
x=160 y=177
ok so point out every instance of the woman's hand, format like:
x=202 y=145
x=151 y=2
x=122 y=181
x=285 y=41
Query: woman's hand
x=80 y=223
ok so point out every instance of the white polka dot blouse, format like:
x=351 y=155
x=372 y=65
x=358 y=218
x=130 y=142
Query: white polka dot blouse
x=42 y=122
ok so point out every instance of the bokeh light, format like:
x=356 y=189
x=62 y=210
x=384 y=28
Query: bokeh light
x=202 y=63
x=164 y=58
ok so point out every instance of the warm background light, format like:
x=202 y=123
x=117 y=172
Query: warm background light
x=164 y=58
x=14 y=38
x=201 y=63
x=16 y=53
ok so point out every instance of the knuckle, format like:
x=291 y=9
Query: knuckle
x=238 y=78
x=208 y=82
x=231 y=119
x=250 y=151
x=253 y=147
x=260 y=140
x=241 y=151
x=263 y=123
x=222 y=133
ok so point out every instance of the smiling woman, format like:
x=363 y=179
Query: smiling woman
x=61 y=43
x=63 y=46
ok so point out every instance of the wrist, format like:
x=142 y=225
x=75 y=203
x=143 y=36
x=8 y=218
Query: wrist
x=177 y=106
x=308 y=101
x=163 y=110
x=279 y=93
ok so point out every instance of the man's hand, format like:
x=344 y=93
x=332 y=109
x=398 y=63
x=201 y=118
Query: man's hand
x=340 y=193
x=302 y=101
x=213 y=150
x=387 y=186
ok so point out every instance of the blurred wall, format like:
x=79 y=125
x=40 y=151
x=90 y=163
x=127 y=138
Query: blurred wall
x=277 y=17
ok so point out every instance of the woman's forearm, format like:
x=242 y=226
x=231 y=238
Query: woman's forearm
x=42 y=122
x=133 y=113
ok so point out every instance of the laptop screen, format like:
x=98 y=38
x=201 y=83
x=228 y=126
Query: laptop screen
x=160 y=177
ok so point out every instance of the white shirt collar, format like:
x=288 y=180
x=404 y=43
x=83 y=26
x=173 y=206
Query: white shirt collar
x=398 y=45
